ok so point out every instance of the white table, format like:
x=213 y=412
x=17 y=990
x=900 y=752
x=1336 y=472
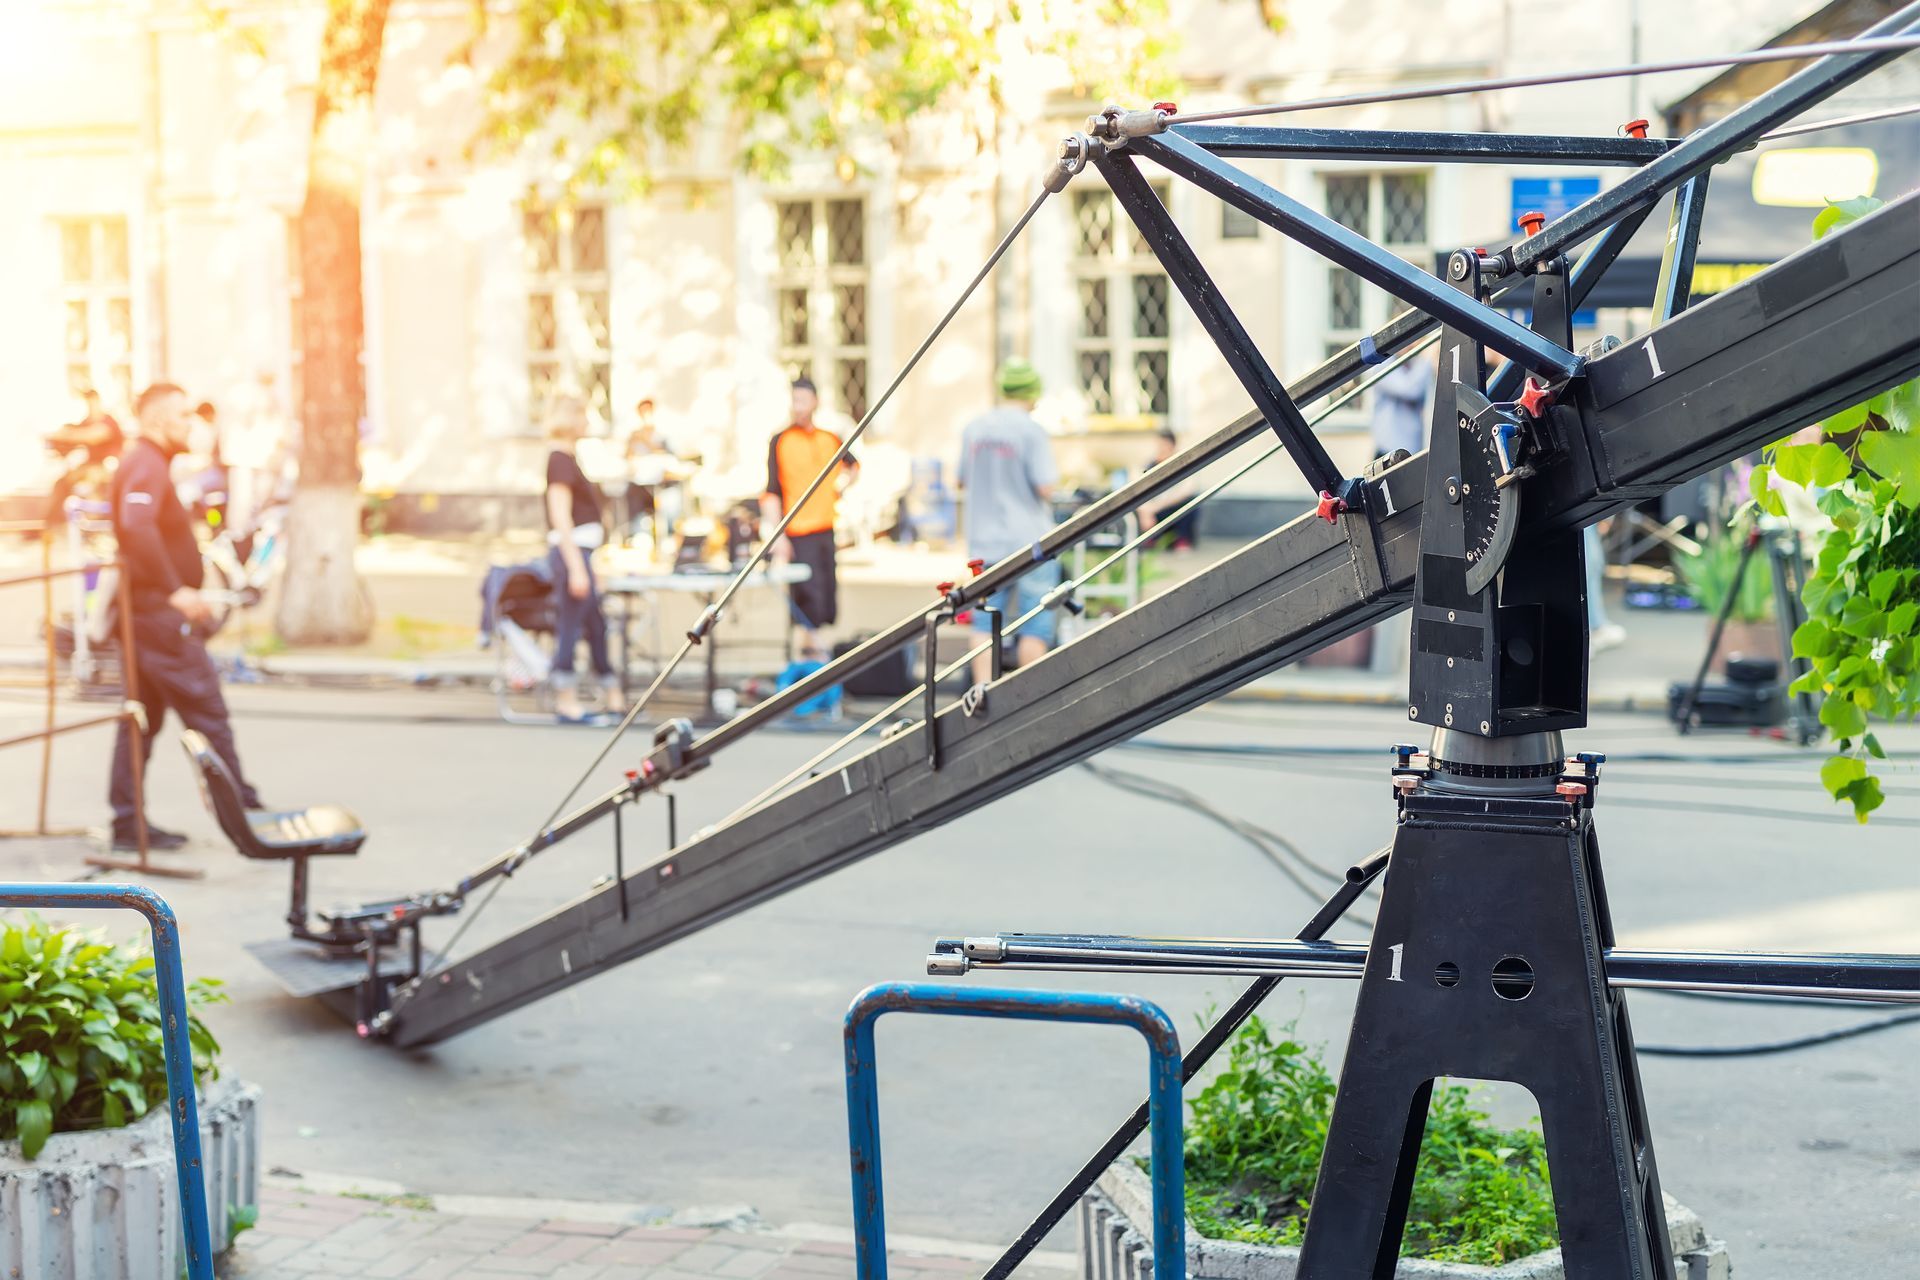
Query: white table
x=707 y=584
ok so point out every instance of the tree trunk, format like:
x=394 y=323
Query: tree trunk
x=322 y=600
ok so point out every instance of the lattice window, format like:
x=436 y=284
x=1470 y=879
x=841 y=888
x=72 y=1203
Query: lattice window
x=1404 y=200
x=1390 y=209
x=1123 y=341
x=1238 y=224
x=822 y=296
x=569 y=309
x=96 y=293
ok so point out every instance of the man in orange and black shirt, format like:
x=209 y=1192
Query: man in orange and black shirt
x=797 y=453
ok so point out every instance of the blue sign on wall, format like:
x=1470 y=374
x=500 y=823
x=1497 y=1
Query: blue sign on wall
x=1554 y=197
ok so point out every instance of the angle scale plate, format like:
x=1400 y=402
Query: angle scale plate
x=1488 y=512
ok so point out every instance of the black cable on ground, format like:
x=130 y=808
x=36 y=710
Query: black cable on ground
x=1777 y=1046
x=1283 y=853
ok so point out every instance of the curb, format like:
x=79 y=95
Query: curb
x=731 y=1217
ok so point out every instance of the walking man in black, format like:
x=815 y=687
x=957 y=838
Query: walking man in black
x=163 y=564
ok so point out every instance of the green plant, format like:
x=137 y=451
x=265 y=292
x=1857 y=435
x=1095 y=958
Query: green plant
x=1256 y=1131
x=1709 y=576
x=1863 y=594
x=80 y=1042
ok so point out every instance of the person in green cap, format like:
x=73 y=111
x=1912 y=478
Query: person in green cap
x=1007 y=476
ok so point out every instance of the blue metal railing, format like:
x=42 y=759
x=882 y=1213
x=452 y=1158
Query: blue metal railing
x=863 y=1098
x=171 y=985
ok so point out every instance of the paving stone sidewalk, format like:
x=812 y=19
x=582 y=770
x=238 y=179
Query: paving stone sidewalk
x=303 y=1233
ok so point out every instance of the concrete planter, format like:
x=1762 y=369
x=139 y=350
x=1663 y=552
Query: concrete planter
x=105 y=1205
x=1113 y=1247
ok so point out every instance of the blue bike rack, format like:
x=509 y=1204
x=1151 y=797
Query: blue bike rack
x=171 y=984
x=863 y=1099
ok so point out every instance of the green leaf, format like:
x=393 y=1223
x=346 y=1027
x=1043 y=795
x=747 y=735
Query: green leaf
x=33 y=1067
x=1830 y=465
x=1862 y=618
x=1839 y=772
x=1873 y=747
x=1901 y=619
x=1865 y=794
x=111 y=1047
x=113 y=1112
x=33 y=1120
x=1845 y=421
x=1812 y=639
x=1841 y=716
x=1839 y=213
x=1794 y=462
x=1896 y=456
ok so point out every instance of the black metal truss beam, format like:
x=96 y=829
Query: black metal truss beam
x=1281 y=142
x=1202 y=293
x=1350 y=249
x=1707 y=146
x=1825 y=328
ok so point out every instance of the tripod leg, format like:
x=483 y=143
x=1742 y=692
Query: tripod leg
x=1685 y=717
x=1783 y=554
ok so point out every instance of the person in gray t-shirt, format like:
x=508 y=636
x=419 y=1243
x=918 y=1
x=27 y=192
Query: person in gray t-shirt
x=1008 y=473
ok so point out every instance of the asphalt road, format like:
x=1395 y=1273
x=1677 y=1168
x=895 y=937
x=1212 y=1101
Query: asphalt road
x=710 y=1072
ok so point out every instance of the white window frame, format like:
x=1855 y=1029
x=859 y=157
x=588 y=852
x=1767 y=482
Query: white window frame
x=91 y=355
x=577 y=352
x=826 y=351
x=1124 y=259
x=1376 y=306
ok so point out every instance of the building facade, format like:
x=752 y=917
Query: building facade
x=155 y=161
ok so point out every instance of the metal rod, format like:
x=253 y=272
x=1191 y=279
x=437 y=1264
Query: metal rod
x=1839 y=122
x=1784 y=53
x=46 y=606
x=710 y=617
x=170 y=988
x=1707 y=146
x=1277 y=142
x=1165 y=1078
x=1236 y=345
x=1359 y=876
x=48 y=735
x=1673 y=292
x=1356 y=253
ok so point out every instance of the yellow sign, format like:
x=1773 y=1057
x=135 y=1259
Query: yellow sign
x=1809 y=177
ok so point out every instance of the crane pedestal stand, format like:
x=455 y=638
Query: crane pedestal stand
x=1488 y=963
x=1489 y=952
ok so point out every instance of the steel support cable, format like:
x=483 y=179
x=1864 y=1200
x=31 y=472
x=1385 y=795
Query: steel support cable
x=1359 y=876
x=1785 y=53
x=1838 y=122
x=711 y=615
x=806 y=769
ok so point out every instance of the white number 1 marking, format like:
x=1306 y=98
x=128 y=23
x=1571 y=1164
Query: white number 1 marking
x=1395 y=951
x=1456 y=364
x=1653 y=358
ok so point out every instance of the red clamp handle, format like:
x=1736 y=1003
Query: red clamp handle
x=1535 y=397
x=943 y=587
x=976 y=566
x=1635 y=128
x=1330 y=508
x=1169 y=108
x=1531 y=221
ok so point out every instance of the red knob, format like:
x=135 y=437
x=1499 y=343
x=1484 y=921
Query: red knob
x=976 y=565
x=943 y=587
x=1168 y=107
x=1531 y=221
x=1634 y=128
x=1571 y=790
x=633 y=775
x=1535 y=397
x=1329 y=507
